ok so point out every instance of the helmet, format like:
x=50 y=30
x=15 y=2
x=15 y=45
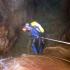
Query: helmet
x=34 y=23
x=27 y=24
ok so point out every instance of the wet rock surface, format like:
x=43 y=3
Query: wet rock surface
x=34 y=62
x=61 y=51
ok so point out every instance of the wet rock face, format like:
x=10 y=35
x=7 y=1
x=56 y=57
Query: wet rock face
x=58 y=51
x=4 y=41
x=9 y=33
x=31 y=62
x=66 y=35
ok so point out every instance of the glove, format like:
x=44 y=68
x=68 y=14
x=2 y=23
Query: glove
x=24 y=29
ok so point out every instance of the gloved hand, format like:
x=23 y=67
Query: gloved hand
x=24 y=29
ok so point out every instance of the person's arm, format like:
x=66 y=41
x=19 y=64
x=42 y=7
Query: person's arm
x=26 y=29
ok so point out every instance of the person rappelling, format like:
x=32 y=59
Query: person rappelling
x=36 y=30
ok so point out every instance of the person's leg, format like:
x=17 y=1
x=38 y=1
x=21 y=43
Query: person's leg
x=41 y=46
x=34 y=47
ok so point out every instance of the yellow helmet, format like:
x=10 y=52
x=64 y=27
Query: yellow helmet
x=34 y=23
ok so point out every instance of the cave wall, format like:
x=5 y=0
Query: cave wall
x=53 y=15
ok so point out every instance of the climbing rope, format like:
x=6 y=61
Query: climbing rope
x=68 y=43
